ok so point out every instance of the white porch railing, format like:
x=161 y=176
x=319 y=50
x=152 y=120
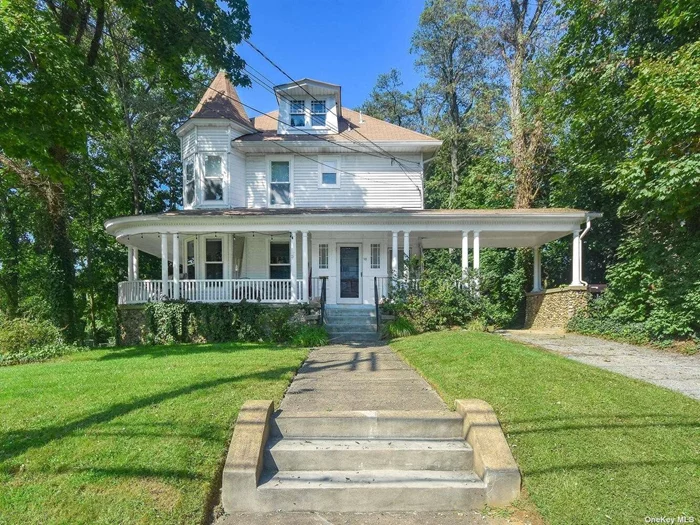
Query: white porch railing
x=212 y=291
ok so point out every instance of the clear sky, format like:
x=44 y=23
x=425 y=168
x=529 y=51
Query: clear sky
x=346 y=42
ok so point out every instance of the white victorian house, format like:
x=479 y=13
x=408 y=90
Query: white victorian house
x=276 y=203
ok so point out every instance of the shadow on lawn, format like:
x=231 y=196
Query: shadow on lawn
x=17 y=442
x=183 y=349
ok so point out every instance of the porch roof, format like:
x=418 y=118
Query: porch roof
x=500 y=228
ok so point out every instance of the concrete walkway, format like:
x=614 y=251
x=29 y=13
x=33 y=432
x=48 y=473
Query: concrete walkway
x=358 y=377
x=667 y=369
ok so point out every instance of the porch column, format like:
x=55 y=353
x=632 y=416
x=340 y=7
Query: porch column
x=293 y=265
x=130 y=263
x=305 y=265
x=406 y=253
x=536 y=270
x=576 y=260
x=476 y=246
x=465 y=251
x=395 y=255
x=164 y=263
x=176 y=266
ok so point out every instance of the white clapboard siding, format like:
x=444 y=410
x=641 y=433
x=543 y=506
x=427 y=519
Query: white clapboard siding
x=365 y=181
x=189 y=143
x=256 y=181
x=237 y=178
x=211 y=138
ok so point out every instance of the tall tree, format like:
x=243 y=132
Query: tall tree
x=52 y=88
x=387 y=101
x=448 y=44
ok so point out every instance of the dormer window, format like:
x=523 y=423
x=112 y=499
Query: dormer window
x=297 y=113
x=318 y=113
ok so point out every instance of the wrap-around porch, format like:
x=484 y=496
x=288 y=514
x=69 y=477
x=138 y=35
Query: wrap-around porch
x=287 y=257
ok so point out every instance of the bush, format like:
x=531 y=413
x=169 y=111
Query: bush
x=27 y=340
x=181 y=322
x=399 y=327
x=310 y=335
x=22 y=335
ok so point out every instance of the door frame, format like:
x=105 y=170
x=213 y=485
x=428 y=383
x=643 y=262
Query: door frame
x=346 y=300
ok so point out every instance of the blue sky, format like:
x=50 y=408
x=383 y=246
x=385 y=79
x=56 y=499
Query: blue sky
x=346 y=42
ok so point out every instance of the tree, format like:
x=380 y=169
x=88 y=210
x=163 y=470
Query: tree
x=387 y=101
x=53 y=92
x=448 y=44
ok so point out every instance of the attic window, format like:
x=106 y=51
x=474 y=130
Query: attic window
x=318 y=113
x=296 y=112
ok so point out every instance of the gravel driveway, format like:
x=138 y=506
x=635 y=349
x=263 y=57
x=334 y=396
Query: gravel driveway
x=667 y=369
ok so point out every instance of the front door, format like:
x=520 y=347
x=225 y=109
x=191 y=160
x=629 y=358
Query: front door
x=349 y=274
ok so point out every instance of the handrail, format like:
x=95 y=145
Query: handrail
x=376 y=304
x=321 y=319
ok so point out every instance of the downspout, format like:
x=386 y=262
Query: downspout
x=589 y=218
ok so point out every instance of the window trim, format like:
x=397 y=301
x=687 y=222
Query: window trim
x=280 y=158
x=222 y=177
x=303 y=113
x=322 y=161
x=326 y=265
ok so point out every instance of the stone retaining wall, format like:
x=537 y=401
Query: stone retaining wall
x=552 y=309
x=132 y=325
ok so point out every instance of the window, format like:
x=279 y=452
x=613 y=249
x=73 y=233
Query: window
x=318 y=113
x=297 y=118
x=189 y=182
x=214 y=263
x=375 y=261
x=280 y=184
x=280 y=267
x=190 y=260
x=322 y=256
x=328 y=172
x=213 y=179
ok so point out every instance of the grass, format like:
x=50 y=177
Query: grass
x=135 y=435
x=593 y=446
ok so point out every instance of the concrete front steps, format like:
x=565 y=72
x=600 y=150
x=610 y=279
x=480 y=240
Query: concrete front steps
x=364 y=461
x=351 y=324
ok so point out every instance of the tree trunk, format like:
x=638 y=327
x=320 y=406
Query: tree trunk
x=10 y=263
x=523 y=165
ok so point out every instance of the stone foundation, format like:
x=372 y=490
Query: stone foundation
x=552 y=309
x=132 y=325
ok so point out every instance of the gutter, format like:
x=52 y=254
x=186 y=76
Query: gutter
x=589 y=217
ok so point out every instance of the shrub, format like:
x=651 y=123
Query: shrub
x=310 y=335
x=22 y=335
x=399 y=327
x=181 y=322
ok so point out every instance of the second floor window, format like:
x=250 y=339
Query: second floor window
x=213 y=178
x=280 y=184
x=189 y=182
x=297 y=117
x=328 y=172
x=318 y=113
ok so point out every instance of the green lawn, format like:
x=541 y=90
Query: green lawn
x=593 y=446
x=127 y=436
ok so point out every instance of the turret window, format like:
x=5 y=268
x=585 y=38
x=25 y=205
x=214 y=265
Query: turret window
x=189 y=182
x=213 y=179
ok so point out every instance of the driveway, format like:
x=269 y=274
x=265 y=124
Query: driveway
x=663 y=368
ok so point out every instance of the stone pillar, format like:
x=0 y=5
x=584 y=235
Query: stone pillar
x=395 y=255
x=164 y=263
x=576 y=260
x=305 y=265
x=465 y=251
x=176 y=266
x=476 y=246
x=293 y=265
x=536 y=270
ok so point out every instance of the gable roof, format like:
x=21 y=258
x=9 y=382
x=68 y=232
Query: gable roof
x=349 y=129
x=221 y=101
